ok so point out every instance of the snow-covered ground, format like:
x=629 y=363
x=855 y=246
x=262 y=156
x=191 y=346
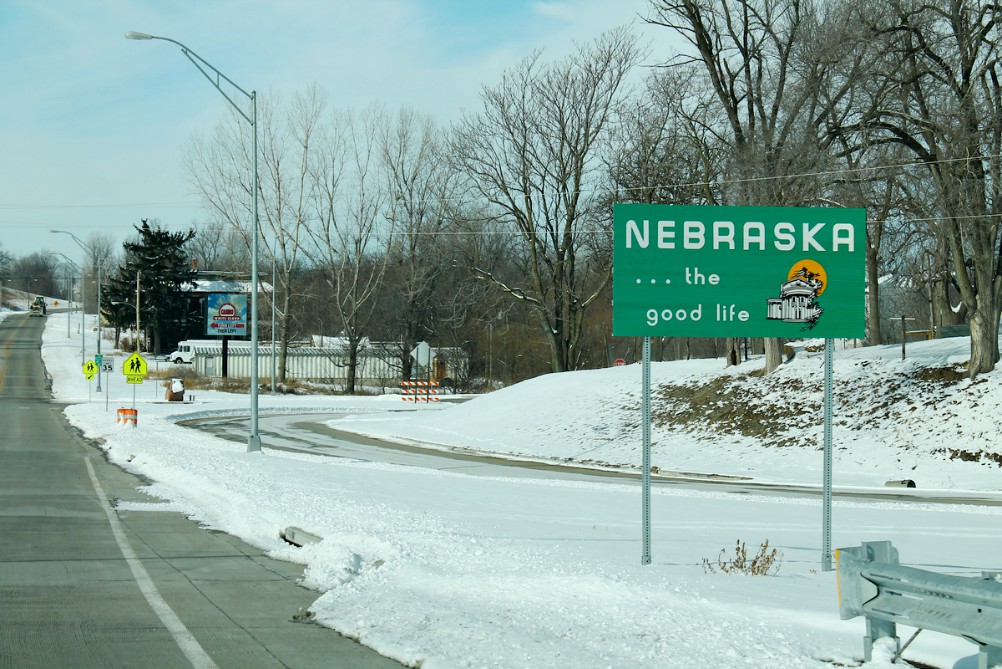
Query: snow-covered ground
x=440 y=569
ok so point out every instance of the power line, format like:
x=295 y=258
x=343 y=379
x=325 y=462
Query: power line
x=121 y=205
x=584 y=191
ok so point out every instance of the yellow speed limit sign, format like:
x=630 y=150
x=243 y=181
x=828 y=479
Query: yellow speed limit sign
x=90 y=369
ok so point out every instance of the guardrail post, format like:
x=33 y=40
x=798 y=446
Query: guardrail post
x=990 y=656
x=876 y=628
x=879 y=629
x=855 y=590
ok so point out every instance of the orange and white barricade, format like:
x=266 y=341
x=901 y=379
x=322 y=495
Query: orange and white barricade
x=419 y=391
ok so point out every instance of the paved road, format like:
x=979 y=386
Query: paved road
x=310 y=433
x=83 y=585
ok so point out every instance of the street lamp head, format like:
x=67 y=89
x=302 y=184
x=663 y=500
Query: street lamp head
x=132 y=34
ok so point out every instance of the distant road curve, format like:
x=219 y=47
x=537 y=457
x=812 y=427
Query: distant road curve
x=309 y=433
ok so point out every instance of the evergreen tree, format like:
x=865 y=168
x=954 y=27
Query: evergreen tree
x=163 y=267
x=6 y=261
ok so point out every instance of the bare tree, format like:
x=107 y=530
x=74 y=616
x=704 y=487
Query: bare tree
x=218 y=168
x=769 y=65
x=217 y=246
x=350 y=234
x=663 y=151
x=943 y=102
x=34 y=273
x=421 y=191
x=531 y=156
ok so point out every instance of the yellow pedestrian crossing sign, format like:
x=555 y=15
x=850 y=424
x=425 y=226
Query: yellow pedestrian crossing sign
x=134 y=365
x=90 y=369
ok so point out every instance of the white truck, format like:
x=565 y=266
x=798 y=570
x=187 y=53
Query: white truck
x=185 y=353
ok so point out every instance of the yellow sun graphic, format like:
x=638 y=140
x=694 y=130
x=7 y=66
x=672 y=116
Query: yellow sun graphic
x=815 y=268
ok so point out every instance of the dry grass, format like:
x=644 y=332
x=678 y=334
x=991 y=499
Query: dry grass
x=194 y=381
x=764 y=563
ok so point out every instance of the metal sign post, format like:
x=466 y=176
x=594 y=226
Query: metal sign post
x=107 y=366
x=826 y=544
x=646 y=474
x=135 y=370
x=89 y=370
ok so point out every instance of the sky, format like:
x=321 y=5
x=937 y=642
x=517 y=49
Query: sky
x=95 y=125
x=440 y=568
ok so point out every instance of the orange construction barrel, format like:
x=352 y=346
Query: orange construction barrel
x=127 y=416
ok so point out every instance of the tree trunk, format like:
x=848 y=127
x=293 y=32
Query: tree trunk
x=984 y=343
x=283 y=359
x=283 y=329
x=732 y=351
x=558 y=352
x=773 y=353
x=352 y=367
x=872 y=296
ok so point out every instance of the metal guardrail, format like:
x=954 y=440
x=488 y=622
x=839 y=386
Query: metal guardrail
x=873 y=584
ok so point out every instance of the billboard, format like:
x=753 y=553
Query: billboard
x=226 y=314
x=701 y=271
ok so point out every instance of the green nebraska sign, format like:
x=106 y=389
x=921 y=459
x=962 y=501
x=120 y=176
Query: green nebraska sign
x=695 y=271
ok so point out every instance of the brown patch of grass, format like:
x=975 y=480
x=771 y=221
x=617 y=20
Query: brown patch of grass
x=774 y=408
x=731 y=406
x=946 y=375
x=982 y=456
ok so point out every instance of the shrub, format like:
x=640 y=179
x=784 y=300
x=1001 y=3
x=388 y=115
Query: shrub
x=764 y=563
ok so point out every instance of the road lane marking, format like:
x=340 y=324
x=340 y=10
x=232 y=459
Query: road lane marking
x=185 y=640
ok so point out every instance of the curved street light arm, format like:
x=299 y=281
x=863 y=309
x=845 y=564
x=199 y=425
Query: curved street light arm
x=199 y=62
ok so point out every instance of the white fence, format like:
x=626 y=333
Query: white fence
x=378 y=364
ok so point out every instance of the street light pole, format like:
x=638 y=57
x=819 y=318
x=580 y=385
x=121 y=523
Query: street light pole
x=254 y=439
x=83 y=327
x=98 y=262
x=273 y=320
x=69 y=308
x=98 y=389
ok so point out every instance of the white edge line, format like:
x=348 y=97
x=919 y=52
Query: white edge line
x=185 y=640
